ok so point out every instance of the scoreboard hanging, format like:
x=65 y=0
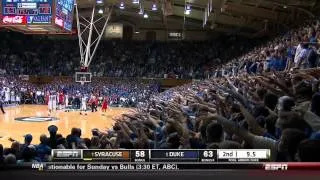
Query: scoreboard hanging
x=37 y=15
x=64 y=13
x=22 y=12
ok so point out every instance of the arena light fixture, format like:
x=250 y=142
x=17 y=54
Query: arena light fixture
x=145 y=16
x=121 y=5
x=137 y=32
x=154 y=7
x=135 y=2
x=100 y=11
x=99 y=1
x=187 y=9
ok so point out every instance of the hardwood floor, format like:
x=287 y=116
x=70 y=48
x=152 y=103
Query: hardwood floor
x=11 y=128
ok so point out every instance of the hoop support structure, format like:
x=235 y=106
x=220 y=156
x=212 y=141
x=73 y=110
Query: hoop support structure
x=86 y=55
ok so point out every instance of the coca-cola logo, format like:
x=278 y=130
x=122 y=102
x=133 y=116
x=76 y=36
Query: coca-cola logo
x=14 y=19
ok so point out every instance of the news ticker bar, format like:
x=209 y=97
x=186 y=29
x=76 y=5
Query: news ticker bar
x=207 y=155
x=172 y=166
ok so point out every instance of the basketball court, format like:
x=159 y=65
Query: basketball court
x=33 y=119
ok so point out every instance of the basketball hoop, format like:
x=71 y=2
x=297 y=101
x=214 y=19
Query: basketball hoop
x=83 y=77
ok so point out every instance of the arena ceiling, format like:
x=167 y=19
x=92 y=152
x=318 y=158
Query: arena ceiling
x=244 y=17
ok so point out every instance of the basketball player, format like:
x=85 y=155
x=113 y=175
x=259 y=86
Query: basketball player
x=1 y=105
x=77 y=100
x=52 y=103
x=2 y=93
x=12 y=97
x=104 y=105
x=66 y=100
x=18 y=98
x=47 y=98
x=7 y=95
x=83 y=105
x=94 y=103
x=61 y=99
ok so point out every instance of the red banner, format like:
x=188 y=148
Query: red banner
x=14 y=20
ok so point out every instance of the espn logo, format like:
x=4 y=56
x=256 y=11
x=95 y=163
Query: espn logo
x=276 y=167
x=66 y=153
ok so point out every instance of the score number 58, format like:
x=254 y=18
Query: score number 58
x=140 y=154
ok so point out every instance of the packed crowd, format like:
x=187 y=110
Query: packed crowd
x=298 y=49
x=263 y=109
x=277 y=111
x=114 y=58
x=124 y=92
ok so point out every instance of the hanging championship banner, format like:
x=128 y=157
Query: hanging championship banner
x=114 y=30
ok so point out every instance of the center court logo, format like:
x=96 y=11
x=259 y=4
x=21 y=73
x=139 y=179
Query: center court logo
x=36 y=119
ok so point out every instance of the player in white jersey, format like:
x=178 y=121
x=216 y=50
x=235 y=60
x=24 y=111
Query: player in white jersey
x=7 y=95
x=84 y=100
x=18 y=99
x=52 y=103
x=66 y=100
x=12 y=97
x=2 y=93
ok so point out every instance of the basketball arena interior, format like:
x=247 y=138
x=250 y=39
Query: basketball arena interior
x=160 y=74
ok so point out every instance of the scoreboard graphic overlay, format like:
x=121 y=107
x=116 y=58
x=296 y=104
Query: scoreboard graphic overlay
x=108 y=160
x=174 y=155
x=154 y=160
x=37 y=16
x=166 y=160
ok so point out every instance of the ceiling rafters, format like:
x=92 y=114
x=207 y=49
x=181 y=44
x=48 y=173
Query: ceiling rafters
x=241 y=14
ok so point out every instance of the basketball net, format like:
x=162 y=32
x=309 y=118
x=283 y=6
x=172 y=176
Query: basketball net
x=82 y=83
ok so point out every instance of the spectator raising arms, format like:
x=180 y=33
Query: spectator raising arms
x=267 y=98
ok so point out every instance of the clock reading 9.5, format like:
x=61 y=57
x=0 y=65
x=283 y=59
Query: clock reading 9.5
x=251 y=154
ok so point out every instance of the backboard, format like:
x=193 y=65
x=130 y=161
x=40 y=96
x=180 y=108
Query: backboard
x=83 y=77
